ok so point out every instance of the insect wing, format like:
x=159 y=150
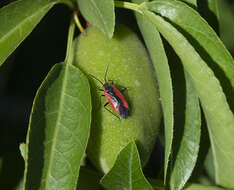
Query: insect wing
x=112 y=101
x=119 y=94
x=123 y=105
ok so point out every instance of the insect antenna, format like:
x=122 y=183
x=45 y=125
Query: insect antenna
x=97 y=79
x=106 y=73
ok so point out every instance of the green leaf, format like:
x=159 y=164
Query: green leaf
x=194 y=186
x=158 y=185
x=124 y=54
x=193 y=24
x=218 y=115
x=155 y=47
x=58 y=130
x=203 y=179
x=209 y=165
x=100 y=14
x=126 y=173
x=17 y=20
x=189 y=145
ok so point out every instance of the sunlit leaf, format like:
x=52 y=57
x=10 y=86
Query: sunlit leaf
x=99 y=13
x=218 y=115
x=155 y=47
x=189 y=146
x=194 y=186
x=192 y=23
x=58 y=130
x=126 y=173
x=17 y=20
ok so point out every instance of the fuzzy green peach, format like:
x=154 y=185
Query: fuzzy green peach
x=130 y=67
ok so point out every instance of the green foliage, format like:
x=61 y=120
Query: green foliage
x=155 y=47
x=126 y=173
x=158 y=185
x=214 y=103
x=100 y=14
x=17 y=20
x=199 y=30
x=201 y=187
x=60 y=132
x=127 y=60
x=188 y=151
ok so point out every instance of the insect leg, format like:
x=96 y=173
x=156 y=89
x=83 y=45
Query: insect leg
x=110 y=111
x=106 y=105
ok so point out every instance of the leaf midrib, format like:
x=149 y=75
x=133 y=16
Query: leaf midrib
x=58 y=122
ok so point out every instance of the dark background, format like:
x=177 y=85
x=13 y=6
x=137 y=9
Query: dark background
x=23 y=72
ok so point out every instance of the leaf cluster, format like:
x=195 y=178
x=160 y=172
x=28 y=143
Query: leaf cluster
x=174 y=32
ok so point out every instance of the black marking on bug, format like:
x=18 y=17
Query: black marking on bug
x=114 y=97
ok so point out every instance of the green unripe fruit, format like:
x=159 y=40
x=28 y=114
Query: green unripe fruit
x=130 y=67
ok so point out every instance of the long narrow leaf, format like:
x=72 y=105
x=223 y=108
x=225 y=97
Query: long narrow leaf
x=126 y=174
x=189 y=146
x=17 y=20
x=58 y=130
x=218 y=115
x=155 y=47
x=192 y=23
x=194 y=186
x=99 y=13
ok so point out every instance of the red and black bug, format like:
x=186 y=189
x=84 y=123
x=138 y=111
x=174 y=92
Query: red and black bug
x=114 y=97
